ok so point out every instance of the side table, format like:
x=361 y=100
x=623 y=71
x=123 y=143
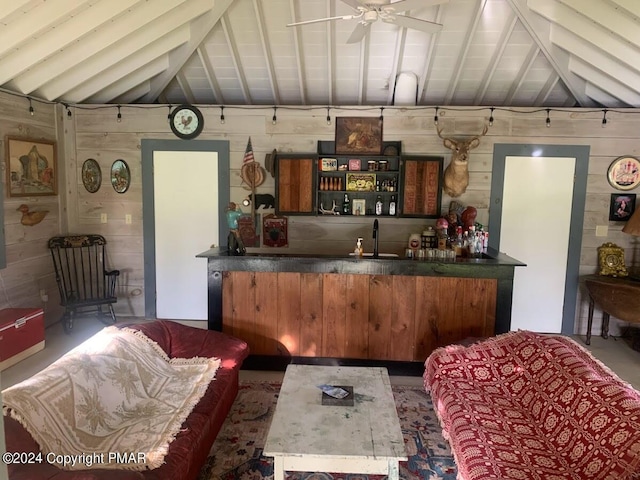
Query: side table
x=615 y=296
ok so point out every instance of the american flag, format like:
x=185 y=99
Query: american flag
x=248 y=153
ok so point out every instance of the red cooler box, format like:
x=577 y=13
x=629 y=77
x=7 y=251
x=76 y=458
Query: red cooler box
x=21 y=334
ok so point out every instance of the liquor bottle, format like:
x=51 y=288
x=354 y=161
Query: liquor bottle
x=379 y=205
x=392 y=206
x=346 y=205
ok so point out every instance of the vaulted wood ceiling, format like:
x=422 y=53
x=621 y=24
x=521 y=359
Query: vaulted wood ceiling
x=545 y=53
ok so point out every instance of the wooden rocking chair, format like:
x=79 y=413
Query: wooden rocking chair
x=83 y=280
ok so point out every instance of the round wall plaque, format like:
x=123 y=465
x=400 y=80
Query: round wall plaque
x=624 y=173
x=120 y=176
x=91 y=175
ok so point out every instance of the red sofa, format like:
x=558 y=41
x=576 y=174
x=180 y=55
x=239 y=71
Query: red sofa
x=189 y=451
x=537 y=407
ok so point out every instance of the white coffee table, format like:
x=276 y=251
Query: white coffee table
x=306 y=436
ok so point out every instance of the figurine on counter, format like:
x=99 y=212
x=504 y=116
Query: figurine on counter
x=234 y=242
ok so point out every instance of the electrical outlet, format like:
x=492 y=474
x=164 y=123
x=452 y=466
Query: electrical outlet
x=103 y=218
x=43 y=295
x=127 y=219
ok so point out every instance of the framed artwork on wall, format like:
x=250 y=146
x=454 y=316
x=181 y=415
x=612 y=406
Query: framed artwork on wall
x=624 y=173
x=359 y=206
x=91 y=175
x=361 y=135
x=31 y=167
x=622 y=206
x=120 y=176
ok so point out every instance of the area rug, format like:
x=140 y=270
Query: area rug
x=237 y=451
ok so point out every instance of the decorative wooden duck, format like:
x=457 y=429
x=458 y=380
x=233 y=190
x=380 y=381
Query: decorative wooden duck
x=31 y=218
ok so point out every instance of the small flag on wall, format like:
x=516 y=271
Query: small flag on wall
x=248 y=153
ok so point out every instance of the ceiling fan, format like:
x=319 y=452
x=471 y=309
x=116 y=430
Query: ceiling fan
x=370 y=11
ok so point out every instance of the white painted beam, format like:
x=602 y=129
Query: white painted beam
x=604 y=82
x=331 y=53
x=107 y=87
x=603 y=98
x=107 y=36
x=53 y=40
x=35 y=22
x=299 y=54
x=538 y=28
x=462 y=57
x=631 y=6
x=423 y=81
x=235 y=58
x=398 y=53
x=185 y=87
x=16 y=7
x=524 y=70
x=209 y=72
x=200 y=28
x=495 y=59
x=96 y=66
x=546 y=90
x=134 y=94
x=264 y=41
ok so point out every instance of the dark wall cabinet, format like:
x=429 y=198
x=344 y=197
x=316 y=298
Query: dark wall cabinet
x=392 y=185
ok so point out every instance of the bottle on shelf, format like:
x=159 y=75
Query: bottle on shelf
x=346 y=205
x=379 y=205
x=392 y=205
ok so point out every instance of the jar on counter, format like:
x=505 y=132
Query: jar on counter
x=429 y=238
x=383 y=165
x=372 y=165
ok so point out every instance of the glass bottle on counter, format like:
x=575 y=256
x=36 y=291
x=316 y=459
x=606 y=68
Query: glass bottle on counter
x=346 y=205
x=392 y=206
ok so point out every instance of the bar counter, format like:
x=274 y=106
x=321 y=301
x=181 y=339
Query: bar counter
x=341 y=306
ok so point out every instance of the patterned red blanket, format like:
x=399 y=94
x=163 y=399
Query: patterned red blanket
x=527 y=406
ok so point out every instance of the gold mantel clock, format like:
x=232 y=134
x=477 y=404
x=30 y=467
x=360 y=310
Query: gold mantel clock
x=611 y=260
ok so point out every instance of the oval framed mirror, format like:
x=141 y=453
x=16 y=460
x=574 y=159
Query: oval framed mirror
x=120 y=176
x=91 y=175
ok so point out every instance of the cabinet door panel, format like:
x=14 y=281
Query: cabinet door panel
x=421 y=186
x=295 y=185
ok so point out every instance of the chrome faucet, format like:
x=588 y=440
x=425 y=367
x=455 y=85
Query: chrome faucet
x=376 y=227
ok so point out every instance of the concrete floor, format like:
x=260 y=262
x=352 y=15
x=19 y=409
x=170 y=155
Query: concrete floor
x=616 y=353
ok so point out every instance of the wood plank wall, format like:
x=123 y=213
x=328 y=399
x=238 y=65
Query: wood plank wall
x=29 y=266
x=94 y=133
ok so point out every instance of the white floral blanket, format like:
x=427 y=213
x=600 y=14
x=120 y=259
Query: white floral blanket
x=117 y=392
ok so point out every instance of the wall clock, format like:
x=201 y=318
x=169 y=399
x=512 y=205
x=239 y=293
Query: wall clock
x=186 y=122
x=624 y=173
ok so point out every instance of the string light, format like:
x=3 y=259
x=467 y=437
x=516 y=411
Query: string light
x=31 y=110
x=274 y=119
x=169 y=114
x=491 y=117
x=328 y=117
x=68 y=111
x=548 y=121
x=604 y=118
x=119 y=117
x=435 y=118
x=381 y=117
x=222 y=114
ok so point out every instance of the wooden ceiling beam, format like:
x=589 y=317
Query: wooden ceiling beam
x=495 y=60
x=546 y=90
x=264 y=40
x=423 y=80
x=81 y=23
x=15 y=7
x=462 y=57
x=396 y=64
x=631 y=6
x=299 y=54
x=120 y=61
x=133 y=94
x=104 y=88
x=539 y=29
x=141 y=26
x=200 y=28
x=235 y=58
x=331 y=53
x=524 y=71
x=209 y=72
x=605 y=82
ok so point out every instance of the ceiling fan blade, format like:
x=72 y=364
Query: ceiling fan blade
x=359 y=32
x=411 y=22
x=318 y=20
x=404 y=5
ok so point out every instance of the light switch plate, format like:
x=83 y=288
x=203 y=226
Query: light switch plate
x=127 y=219
x=602 y=230
x=103 y=218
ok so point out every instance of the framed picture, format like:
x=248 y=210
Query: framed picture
x=120 y=176
x=359 y=205
x=31 y=167
x=358 y=135
x=624 y=173
x=354 y=164
x=361 y=182
x=622 y=206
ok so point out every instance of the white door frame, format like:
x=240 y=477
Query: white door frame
x=581 y=154
x=148 y=211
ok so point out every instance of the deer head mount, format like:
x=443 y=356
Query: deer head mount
x=456 y=175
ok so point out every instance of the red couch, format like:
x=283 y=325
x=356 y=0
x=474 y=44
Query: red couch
x=537 y=407
x=189 y=451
